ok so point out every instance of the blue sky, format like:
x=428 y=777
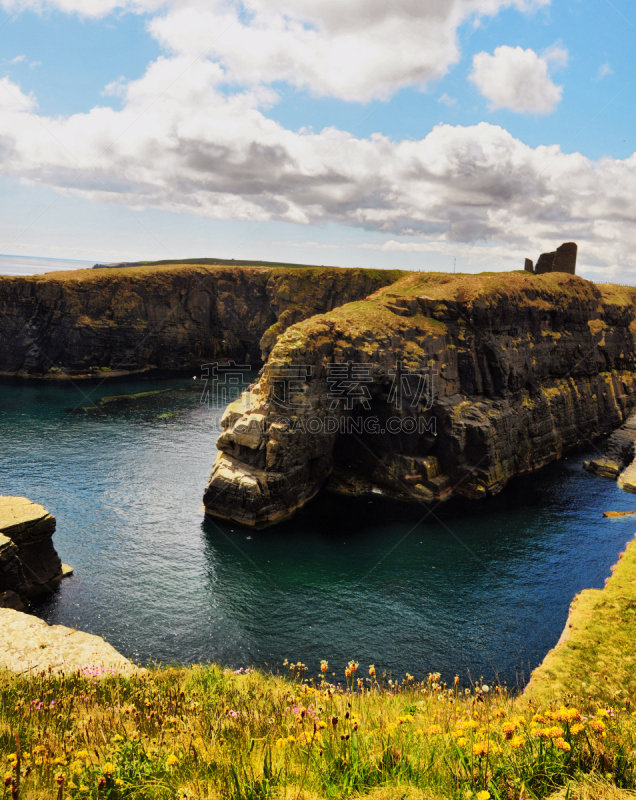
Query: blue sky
x=174 y=171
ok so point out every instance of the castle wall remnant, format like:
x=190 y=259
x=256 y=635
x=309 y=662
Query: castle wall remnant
x=563 y=259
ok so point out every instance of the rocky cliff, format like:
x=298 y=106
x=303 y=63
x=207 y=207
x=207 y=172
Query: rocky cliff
x=99 y=321
x=28 y=560
x=518 y=370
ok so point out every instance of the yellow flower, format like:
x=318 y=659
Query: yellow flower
x=324 y=665
x=371 y=671
x=561 y=744
x=508 y=729
x=461 y=741
x=83 y=787
x=480 y=749
x=602 y=712
x=597 y=726
x=576 y=728
x=483 y=795
x=517 y=742
x=434 y=730
x=119 y=782
x=109 y=768
x=61 y=761
x=555 y=732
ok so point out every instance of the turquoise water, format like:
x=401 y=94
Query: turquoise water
x=481 y=589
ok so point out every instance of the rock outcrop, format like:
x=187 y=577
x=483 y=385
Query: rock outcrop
x=172 y=317
x=28 y=561
x=524 y=368
x=619 y=461
x=29 y=645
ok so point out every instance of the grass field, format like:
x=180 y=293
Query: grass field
x=208 y=732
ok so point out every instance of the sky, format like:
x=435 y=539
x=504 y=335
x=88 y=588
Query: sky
x=421 y=134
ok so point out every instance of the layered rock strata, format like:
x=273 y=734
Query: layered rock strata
x=29 y=645
x=618 y=462
x=171 y=317
x=28 y=560
x=523 y=369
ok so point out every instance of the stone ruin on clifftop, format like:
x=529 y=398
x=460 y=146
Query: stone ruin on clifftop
x=563 y=259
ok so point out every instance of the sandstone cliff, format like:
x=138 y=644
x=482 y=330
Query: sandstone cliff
x=528 y=367
x=28 y=560
x=129 y=319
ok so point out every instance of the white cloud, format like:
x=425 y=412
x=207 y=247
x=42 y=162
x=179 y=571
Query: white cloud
x=185 y=146
x=518 y=79
x=356 y=50
x=17 y=59
x=446 y=100
x=603 y=71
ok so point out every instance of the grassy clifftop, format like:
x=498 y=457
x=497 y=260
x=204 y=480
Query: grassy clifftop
x=597 y=653
x=208 y=732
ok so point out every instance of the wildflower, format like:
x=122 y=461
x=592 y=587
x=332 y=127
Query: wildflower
x=555 y=732
x=434 y=730
x=461 y=741
x=576 y=729
x=407 y=718
x=561 y=744
x=109 y=768
x=371 y=671
x=485 y=689
x=483 y=795
x=517 y=742
x=324 y=665
x=456 y=680
x=597 y=726
x=8 y=777
x=480 y=749
x=101 y=783
x=508 y=729
x=119 y=782
x=602 y=712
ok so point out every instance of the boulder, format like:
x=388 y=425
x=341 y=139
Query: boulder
x=28 y=560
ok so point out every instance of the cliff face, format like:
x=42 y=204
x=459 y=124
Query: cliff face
x=521 y=368
x=89 y=321
x=27 y=557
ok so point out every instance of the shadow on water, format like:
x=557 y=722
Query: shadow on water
x=475 y=586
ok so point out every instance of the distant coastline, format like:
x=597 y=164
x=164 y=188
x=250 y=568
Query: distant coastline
x=30 y=265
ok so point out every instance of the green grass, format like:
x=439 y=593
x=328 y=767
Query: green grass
x=598 y=653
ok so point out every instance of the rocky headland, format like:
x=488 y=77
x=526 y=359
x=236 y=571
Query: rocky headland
x=28 y=560
x=523 y=368
x=110 y=321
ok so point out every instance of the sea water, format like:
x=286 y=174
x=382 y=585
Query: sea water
x=475 y=588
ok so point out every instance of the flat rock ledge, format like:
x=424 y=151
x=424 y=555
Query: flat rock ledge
x=29 y=645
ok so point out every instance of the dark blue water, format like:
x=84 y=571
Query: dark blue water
x=477 y=587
